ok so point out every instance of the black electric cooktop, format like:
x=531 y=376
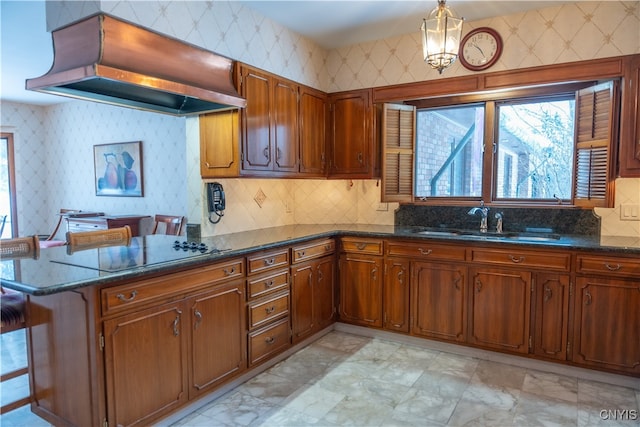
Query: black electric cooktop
x=141 y=252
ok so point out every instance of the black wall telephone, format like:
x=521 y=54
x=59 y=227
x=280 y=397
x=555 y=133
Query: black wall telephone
x=215 y=199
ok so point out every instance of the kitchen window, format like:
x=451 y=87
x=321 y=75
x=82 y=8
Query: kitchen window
x=545 y=146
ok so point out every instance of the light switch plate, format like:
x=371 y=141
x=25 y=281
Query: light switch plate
x=630 y=212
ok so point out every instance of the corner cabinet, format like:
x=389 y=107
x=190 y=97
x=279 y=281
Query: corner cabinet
x=361 y=281
x=353 y=152
x=629 y=154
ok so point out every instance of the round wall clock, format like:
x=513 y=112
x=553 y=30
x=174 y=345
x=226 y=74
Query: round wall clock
x=480 y=49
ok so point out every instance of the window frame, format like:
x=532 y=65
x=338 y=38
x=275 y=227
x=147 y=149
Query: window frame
x=490 y=98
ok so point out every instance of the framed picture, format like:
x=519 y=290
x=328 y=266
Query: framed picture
x=118 y=169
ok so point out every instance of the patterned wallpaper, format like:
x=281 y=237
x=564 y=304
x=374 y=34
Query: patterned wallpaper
x=55 y=141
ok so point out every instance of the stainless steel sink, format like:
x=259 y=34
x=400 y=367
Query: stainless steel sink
x=525 y=237
x=438 y=232
x=534 y=238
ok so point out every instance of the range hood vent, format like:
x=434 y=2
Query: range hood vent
x=107 y=60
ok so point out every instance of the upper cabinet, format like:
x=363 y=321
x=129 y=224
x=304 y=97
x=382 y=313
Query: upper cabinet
x=314 y=111
x=629 y=164
x=352 y=139
x=269 y=123
x=219 y=144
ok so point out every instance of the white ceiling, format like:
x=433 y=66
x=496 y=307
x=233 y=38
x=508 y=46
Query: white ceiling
x=26 y=48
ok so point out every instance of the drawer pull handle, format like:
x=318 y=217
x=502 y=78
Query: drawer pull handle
x=423 y=252
x=269 y=284
x=269 y=340
x=266 y=152
x=269 y=261
x=320 y=276
x=176 y=322
x=361 y=246
x=328 y=247
x=613 y=267
x=301 y=253
x=125 y=299
x=548 y=293
x=270 y=310
x=198 y=316
x=516 y=260
x=588 y=298
x=229 y=272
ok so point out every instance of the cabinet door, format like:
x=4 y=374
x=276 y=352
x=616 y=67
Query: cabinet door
x=396 y=295
x=551 y=315
x=313 y=125
x=144 y=383
x=606 y=319
x=302 y=277
x=219 y=144
x=438 y=295
x=352 y=137
x=285 y=125
x=500 y=309
x=361 y=289
x=257 y=144
x=218 y=337
x=324 y=292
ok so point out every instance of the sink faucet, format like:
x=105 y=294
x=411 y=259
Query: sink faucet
x=499 y=224
x=484 y=211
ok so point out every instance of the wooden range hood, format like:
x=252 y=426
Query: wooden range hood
x=108 y=60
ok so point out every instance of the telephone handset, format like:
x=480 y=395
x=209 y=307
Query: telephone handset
x=215 y=200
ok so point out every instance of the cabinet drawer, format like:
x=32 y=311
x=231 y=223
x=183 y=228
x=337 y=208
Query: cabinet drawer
x=263 y=312
x=269 y=283
x=76 y=226
x=263 y=261
x=269 y=341
x=609 y=266
x=315 y=249
x=133 y=295
x=545 y=260
x=426 y=250
x=361 y=245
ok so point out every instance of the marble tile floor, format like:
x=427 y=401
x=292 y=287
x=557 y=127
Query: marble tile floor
x=349 y=380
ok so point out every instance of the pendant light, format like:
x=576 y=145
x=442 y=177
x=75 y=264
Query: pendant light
x=441 y=33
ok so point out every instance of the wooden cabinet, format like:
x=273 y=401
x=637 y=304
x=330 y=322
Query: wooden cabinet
x=629 y=153
x=269 y=122
x=607 y=313
x=438 y=301
x=353 y=153
x=268 y=304
x=551 y=308
x=499 y=308
x=283 y=126
x=220 y=144
x=314 y=110
x=133 y=362
x=312 y=288
x=396 y=295
x=217 y=342
x=361 y=280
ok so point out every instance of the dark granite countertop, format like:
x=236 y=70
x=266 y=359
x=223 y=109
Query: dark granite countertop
x=57 y=271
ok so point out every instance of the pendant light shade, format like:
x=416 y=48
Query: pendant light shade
x=441 y=33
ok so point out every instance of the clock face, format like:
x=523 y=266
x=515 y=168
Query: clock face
x=480 y=49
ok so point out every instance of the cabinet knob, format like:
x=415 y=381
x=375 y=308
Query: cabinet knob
x=611 y=267
x=269 y=284
x=270 y=310
x=230 y=271
x=425 y=252
x=548 y=293
x=269 y=340
x=516 y=260
x=361 y=246
x=269 y=261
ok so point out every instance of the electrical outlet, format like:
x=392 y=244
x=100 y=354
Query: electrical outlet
x=630 y=212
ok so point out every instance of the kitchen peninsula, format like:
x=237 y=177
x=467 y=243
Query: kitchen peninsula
x=135 y=317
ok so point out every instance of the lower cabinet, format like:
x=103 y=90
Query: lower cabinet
x=133 y=362
x=551 y=314
x=606 y=332
x=499 y=308
x=361 y=289
x=312 y=288
x=438 y=301
x=217 y=337
x=395 y=300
